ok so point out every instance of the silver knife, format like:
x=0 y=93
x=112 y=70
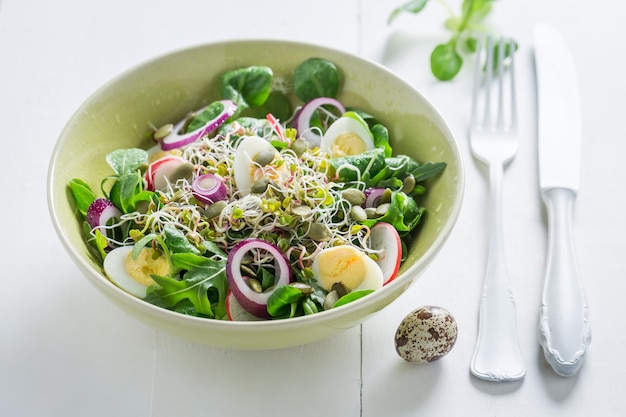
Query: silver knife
x=564 y=331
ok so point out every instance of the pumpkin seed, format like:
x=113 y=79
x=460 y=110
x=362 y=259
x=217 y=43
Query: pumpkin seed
x=264 y=157
x=255 y=284
x=385 y=197
x=163 y=131
x=319 y=232
x=354 y=196
x=299 y=146
x=183 y=171
x=260 y=185
x=247 y=271
x=331 y=298
x=340 y=288
x=188 y=119
x=304 y=288
x=214 y=209
x=358 y=213
x=382 y=209
x=301 y=209
x=371 y=212
x=408 y=184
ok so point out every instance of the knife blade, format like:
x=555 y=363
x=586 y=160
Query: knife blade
x=564 y=331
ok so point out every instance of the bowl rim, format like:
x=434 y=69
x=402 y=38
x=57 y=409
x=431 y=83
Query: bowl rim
x=100 y=280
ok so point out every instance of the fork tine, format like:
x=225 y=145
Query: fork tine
x=488 y=78
x=477 y=77
x=500 y=113
x=512 y=77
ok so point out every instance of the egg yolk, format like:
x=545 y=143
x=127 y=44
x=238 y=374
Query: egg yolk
x=271 y=171
x=341 y=264
x=347 y=144
x=141 y=268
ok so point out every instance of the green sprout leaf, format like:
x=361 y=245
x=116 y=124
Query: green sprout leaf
x=446 y=60
x=82 y=195
x=126 y=161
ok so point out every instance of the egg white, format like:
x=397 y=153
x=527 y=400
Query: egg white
x=372 y=278
x=243 y=163
x=345 y=136
x=115 y=268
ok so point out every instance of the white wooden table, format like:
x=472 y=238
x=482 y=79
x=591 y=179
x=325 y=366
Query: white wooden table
x=66 y=351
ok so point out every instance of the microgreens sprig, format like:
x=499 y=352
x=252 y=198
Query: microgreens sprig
x=446 y=59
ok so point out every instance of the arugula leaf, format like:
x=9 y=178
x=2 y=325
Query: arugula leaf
x=82 y=195
x=203 y=286
x=126 y=161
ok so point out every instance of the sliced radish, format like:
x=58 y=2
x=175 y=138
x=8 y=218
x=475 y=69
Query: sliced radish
x=373 y=196
x=385 y=238
x=303 y=119
x=255 y=302
x=160 y=171
x=235 y=311
x=208 y=189
x=176 y=139
x=100 y=212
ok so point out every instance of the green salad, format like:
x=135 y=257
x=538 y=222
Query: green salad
x=255 y=208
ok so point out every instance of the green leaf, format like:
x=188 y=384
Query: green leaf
x=413 y=6
x=281 y=302
x=445 y=62
x=188 y=261
x=176 y=240
x=381 y=139
x=427 y=170
x=142 y=243
x=403 y=213
x=365 y=166
x=209 y=113
x=247 y=87
x=212 y=248
x=83 y=196
x=277 y=104
x=101 y=243
x=352 y=296
x=204 y=287
x=316 y=77
x=124 y=190
x=125 y=161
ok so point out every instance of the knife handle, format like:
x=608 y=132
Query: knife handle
x=564 y=330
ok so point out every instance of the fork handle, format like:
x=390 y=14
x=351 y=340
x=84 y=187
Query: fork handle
x=497 y=355
x=564 y=330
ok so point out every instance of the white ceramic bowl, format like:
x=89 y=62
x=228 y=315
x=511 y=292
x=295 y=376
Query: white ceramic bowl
x=163 y=90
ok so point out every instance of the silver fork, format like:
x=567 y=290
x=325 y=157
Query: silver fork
x=493 y=141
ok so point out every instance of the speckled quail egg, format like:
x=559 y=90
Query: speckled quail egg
x=348 y=266
x=133 y=275
x=426 y=335
x=348 y=135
